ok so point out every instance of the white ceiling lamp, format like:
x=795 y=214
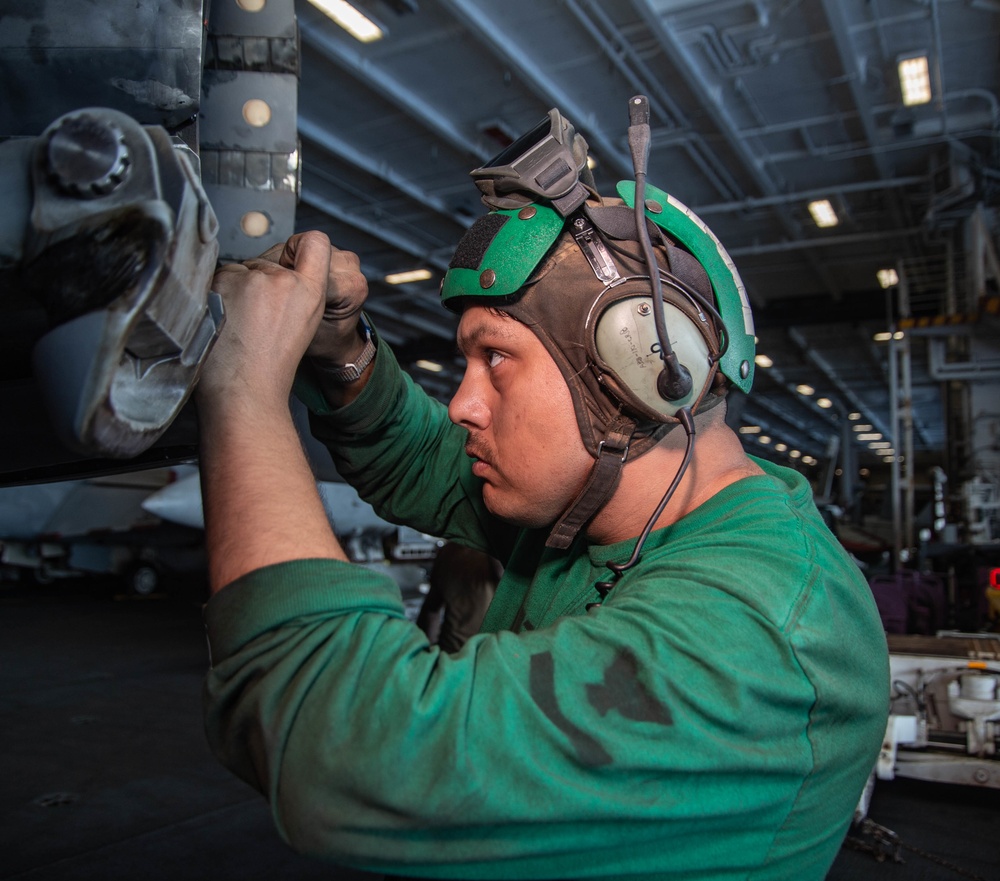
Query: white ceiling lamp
x=887 y=277
x=351 y=20
x=915 y=80
x=823 y=214
x=408 y=277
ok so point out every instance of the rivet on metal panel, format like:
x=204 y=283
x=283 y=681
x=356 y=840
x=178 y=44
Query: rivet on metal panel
x=255 y=224
x=257 y=112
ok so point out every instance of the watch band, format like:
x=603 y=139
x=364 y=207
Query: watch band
x=347 y=373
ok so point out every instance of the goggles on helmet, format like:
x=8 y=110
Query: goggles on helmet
x=549 y=162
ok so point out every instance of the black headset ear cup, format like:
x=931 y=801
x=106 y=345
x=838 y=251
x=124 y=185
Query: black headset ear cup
x=626 y=350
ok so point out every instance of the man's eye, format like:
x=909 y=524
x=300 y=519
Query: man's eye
x=493 y=358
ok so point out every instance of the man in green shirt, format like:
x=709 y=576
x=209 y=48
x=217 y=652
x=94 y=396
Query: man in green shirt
x=682 y=674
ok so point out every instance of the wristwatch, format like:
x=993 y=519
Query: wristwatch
x=347 y=373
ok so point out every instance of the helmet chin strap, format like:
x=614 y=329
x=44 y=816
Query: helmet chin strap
x=613 y=450
x=618 y=569
x=600 y=485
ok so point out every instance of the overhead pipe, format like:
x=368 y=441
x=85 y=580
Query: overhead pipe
x=807 y=195
x=395 y=91
x=824 y=242
x=686 y=67
x=830 y=373
x=507 y=48
x=376 y=230
x=645 y=82
x=380 y=169
x=857 y=152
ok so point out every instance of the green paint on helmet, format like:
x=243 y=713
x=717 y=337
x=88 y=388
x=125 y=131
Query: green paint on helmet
x=499 y=253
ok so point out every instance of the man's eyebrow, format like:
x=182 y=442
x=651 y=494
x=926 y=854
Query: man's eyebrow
x=482 y=333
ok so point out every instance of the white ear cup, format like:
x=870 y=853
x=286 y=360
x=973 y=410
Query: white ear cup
x=627 y=344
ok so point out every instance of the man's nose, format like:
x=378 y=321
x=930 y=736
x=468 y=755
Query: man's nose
x=467 y=407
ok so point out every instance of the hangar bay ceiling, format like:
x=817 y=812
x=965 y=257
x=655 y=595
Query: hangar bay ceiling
x=758 y=109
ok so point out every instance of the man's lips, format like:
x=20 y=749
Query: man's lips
x=481 y=464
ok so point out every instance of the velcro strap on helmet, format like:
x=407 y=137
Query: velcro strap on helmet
x=603 y=479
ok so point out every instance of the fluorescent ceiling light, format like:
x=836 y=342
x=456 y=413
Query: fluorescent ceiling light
x=795 y=454
x=763 y=361
x=408 y=276
x=749 y=429
x=350 y=19
x=882 y=337
x=825 y=403
x=862 y=428
x=804 y=389
x=429 y=366
x=764 y=439
x=869 y=436
x=915 y=80
x=822 y=212
x=781 y=447
x=853 y=416
x=887 y=277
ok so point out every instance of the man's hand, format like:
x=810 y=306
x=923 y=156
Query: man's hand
x=336 y=340
x=261 y=504
x=273 y=310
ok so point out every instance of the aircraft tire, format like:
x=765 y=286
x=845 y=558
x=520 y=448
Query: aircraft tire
x=142 y=579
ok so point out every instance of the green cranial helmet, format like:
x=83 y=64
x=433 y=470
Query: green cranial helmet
x=575 y=268
x=499 y=254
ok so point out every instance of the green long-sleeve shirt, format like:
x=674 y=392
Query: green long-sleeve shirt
x=715 y=718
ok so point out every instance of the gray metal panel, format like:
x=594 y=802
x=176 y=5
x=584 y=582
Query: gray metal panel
x=223 y=126
x=144 y=59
